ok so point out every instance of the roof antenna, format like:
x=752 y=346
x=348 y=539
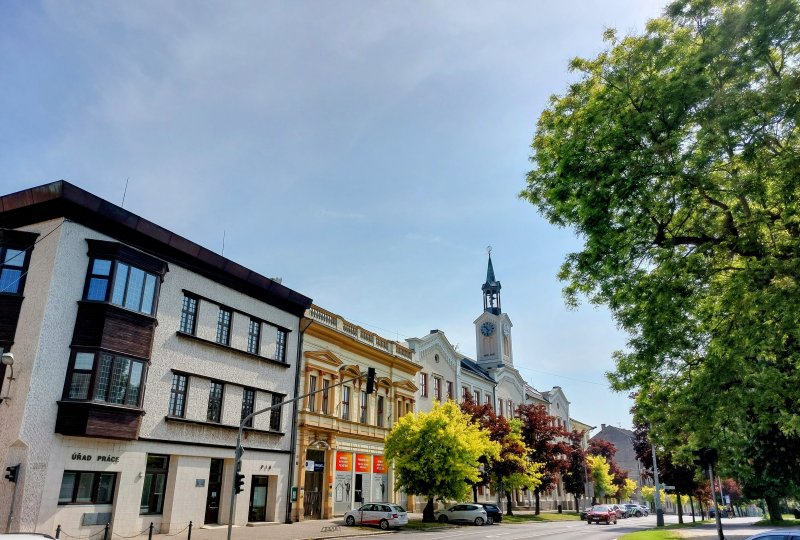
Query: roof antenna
x=223 y=242
x=125 y=192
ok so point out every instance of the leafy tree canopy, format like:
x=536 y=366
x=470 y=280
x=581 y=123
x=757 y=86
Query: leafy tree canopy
x=436 y=454
x=675 y=157
x=601 y=476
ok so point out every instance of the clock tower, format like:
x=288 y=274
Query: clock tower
x=492 y=327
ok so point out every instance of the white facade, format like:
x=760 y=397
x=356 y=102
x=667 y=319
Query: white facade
x=197 y=473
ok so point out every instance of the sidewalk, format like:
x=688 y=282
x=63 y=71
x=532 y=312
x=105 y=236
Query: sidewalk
x=738 y=528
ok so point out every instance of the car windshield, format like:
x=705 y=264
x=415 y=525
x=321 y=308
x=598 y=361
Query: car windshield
x=601 y=508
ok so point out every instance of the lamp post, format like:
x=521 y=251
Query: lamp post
x=659 y=510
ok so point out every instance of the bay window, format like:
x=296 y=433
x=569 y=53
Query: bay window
x=121 y=284
x=105 y=377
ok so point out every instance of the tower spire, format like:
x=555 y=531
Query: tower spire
x=491 y=289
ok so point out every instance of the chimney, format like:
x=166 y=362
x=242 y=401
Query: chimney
x=602 y=427
x=434 y=331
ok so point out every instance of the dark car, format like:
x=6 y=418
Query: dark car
x=601 y=513
x=493 y=513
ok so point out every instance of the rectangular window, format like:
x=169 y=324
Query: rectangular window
x=363 y=416
x=215 y=402
x=132 y=287
x=274 y=343
x=248 y=402
x=254 y=336
x=275 y=414
x=84 y=487
x=116 y=379
x=449 y=389
x=189 y=315
x=423 y=384
x=500 y=407
x=399 y=412
x=224 y=326
x=477 y=397
x=346 y=402
x=325 y=392
x=154 y=484
x=379 y=412
x=437 y=389
x=312 y=399
x=409 y=407
x=510 y=405
x=12 y=270
x=464 y=393
x=488 y=400
x=177 y=396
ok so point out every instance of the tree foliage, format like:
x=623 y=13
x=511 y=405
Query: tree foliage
x=436 y=454
x=601 y=476
x=675 y=156
x=574 y=476
x=625 y=491
x=547 y=442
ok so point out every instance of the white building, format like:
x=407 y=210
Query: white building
x=136 y=353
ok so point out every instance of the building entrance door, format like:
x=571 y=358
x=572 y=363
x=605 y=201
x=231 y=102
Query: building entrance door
x=312 y=494
x=258 y=499
x=359 y=489
x=214 y=488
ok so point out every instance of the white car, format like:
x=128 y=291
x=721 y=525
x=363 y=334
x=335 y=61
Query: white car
x=384 y=515
x=779 y=534
x=469 y=513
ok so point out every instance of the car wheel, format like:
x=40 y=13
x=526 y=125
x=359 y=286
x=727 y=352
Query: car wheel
x=442 y=519
x=489 y=520
x=384 y=525
x=478 y=521
x=350 y=520
x=589 y=522
x=638 y=514
x=615 y=521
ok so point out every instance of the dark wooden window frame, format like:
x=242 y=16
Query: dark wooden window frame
x=22 y=267
x=224 y=326
x=275 y=414
x=95 y=487
x=155 y=472
x=248 y=404
x=176 y=391
x=90 y=398
x=363 y=416
x=254 y=336
x=311 y=401
x=346 y=391
x=188 y=323
x=379 y=406
x=326 y=390
x=214 y=414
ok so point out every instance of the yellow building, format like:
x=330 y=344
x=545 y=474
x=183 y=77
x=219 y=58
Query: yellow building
x=341 y=428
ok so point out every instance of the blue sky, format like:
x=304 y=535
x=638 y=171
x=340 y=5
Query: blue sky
x=365 y=152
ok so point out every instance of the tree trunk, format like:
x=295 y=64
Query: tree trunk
x=536 y=495
x=774 y=508
x=427 y=513
x=680 y=507
x=508 y=504
x=577 y=507
x=475 y=493
x=691 y=504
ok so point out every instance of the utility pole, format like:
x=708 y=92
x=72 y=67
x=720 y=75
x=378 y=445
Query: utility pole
x=236 y=487
x=714 y=496
x=659 y=510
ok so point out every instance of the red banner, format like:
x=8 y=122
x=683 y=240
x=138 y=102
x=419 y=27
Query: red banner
x=362 y=463
x=344 y=461
x=378 y=465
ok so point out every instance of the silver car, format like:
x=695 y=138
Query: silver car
x=778 y=534
x=463 y=513
x=384 y=515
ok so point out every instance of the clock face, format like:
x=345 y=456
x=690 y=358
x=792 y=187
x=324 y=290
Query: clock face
x=487 y=328
x=506 y=330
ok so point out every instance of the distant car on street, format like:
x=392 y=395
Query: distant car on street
x=493 y=513
x=633 y=510
x=384 y=515
x=601 y=513
x=645 y=509
x=464 y=513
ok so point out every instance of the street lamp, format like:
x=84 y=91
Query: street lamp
x=659 y=510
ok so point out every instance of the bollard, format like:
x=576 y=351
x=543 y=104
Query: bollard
x=559 y=509
x=58 y=531
x=190 y=531
x=105 y=532
x=150 y=532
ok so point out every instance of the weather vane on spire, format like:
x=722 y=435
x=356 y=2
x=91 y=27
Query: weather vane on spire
x=489 y=250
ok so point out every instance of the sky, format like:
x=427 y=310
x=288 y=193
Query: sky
x=365 y=152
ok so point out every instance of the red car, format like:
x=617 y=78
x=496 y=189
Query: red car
x=601 y=512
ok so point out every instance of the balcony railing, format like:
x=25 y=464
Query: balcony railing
x=358 y=333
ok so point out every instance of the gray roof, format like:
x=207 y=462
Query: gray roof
x=474 y=368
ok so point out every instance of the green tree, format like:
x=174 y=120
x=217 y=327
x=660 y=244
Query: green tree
x=436 y=454
x=600 y=473
x=675 y=157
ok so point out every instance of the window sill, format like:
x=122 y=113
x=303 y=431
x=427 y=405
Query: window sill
x=206 y=423
x=232 y=349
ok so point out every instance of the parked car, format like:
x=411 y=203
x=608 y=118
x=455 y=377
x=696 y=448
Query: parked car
x=601 y=513
x=633 y=510
x=645 y=509
x=493 y=513
x=465 y=513
x=777 y=534
x=384 y=515
x=26 y=536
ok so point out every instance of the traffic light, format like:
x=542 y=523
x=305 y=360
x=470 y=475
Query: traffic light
x=370 y=380
x=12 y=473
x=239 y=483
x=704 y=457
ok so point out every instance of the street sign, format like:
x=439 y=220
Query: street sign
x=668 y=488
